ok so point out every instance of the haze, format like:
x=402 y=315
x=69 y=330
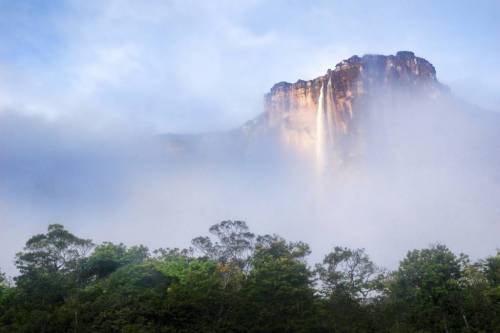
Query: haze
x=87 y=88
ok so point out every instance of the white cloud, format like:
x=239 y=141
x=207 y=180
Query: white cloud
x=110 y=66
x=195 y=65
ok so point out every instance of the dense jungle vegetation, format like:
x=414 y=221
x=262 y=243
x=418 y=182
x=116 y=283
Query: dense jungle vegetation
x=235 y=281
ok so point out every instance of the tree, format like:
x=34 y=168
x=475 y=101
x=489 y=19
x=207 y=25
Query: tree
x=49 y=266
x=478 y=306
x=233 y=246
x=349 y=272
x=348 y=279
x=4 y=288
x=3 y=280
x=234 y=243
x=198 y=300
x=483 y=294
x=278 y=294
x=426 y=290
x=56 y=250
x=108 y=257
x=130 y=299
x=491 y=267
x=243 y=283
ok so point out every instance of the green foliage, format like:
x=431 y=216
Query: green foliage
x=4 y=289
x=3 y=282
x=242 y=283
x=130 y=299
x=56 y=250
x=348 y=279
x=427 y=287
x=49 y=265
x=278 y=292
x=491 y=268
x=108 y=257
x=233 y=245
x=350 y=273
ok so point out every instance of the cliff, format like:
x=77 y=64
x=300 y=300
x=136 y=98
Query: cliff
x=325 y=118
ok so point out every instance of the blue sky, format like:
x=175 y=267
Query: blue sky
x=188 y=66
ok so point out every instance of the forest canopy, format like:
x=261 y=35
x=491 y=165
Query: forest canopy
x=235 y=281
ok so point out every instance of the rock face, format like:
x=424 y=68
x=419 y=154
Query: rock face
x=325 y=118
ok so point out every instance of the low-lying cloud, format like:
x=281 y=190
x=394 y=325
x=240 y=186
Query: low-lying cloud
x=431 y=176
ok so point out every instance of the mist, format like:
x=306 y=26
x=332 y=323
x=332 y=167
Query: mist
x=428 y=174
x=121 y=121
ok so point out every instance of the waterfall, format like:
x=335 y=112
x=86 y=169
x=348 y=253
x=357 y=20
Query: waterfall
x=330 y=110
x=321 y=132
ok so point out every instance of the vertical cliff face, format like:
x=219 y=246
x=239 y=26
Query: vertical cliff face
x=325 y=118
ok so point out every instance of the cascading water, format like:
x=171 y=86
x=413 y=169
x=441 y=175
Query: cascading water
x=321 y=133
x=330 y=109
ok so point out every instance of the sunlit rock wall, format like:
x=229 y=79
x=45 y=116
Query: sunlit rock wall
x=353 y=95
